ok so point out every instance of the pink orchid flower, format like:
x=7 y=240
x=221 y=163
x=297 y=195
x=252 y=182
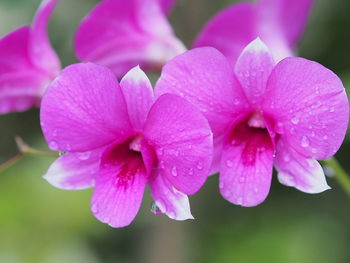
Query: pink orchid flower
x=279 y=23
x=262 y=115
x=27 y=63
x=119 y=137
x=121 y=34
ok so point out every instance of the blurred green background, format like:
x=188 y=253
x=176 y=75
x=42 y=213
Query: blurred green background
x=39 y=223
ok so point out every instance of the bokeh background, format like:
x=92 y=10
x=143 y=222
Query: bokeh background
x=39 y=223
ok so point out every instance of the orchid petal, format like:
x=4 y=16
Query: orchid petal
x=297 y=171
x=122 y=34
x=253 y=68
x=120 y=185
x=290 y=16
x=204 y=77
x=169 y=200
x=309 y=106
x=246 y=166
x=138 y=94
x=182 y=140
x=84 y=109
x=74 y=171
x=230 y=30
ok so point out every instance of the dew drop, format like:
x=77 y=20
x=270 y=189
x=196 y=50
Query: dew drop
x=174 y=171
x=161 y=164
x=295 y=120
x=94 y=208
x=229 y=163
x=305 y=142
x=190 y=171
x=53 y=145
x=155 y=209
x=83 y=155
x=199 y=166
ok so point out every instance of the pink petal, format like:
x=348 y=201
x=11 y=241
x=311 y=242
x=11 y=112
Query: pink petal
x=167 y=5
x=84 y=109
x=308 y=105
x=297 y=171
x=182 y=139
x=204 y=77
x=122 y=34
x=120 y=185
x=230 y=30
x=27 y=63
x=169 y=200
x=138 y=94
x=21 y=84
x=253 y=68
x=246 y=166
x=290 y=16
x=74 y=171
x=41 y=51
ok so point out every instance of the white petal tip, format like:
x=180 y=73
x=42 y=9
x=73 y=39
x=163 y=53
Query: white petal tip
x=136 y=74
x=256 y=45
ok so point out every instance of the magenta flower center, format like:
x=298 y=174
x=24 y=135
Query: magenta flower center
x=250 y=134
x=127 y=161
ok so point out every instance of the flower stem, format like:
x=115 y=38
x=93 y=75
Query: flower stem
x=10 y=162
x=24 y=149
x=339 y=174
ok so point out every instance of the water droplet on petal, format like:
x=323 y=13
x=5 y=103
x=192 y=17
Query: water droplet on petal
x=83 y=155
x=174 y=171
x=155 y=209
x=53 y=145
x=229 y=163
x=305 y=142
x=295 y=120
x=94 y=208
x=190 y=171
x=199 y=165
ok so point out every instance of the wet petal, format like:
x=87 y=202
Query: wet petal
x=182 y=139
x=297 y=171
x=138 y=94
x=246 y=166
x=84 y=109
x=309 y=106
x=204 y=77
x=74 y=171
x=119 y=187
x=169 y=200
x=253 y=68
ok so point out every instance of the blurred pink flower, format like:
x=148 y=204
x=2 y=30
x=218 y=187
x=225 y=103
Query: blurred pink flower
x=120 y=138
x=27 y=63
x=121 y=34
x=262 y=114
x=279 y=23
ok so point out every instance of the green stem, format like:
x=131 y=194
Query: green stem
x=339 y=174
x=24 y=149
x=4 y=166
